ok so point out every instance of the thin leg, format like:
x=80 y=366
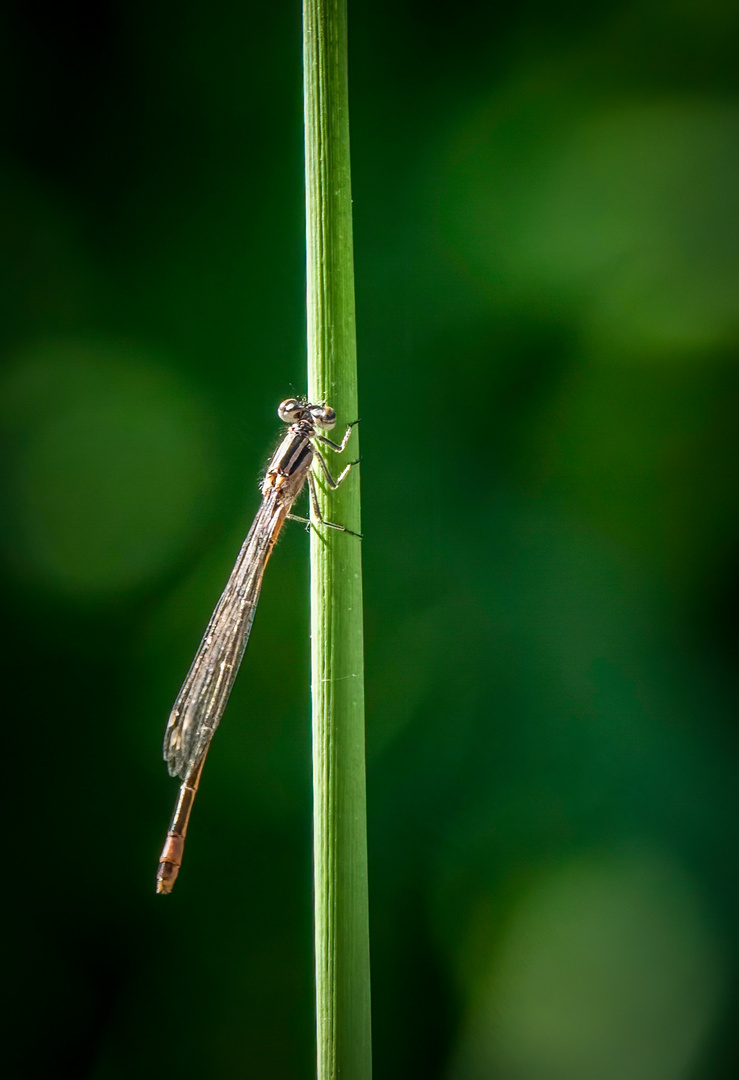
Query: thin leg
x=314 y=499
x=333 y=484
x=338 y=447
x=317 y=510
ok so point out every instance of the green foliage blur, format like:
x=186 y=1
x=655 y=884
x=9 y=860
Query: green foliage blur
x=547 y=257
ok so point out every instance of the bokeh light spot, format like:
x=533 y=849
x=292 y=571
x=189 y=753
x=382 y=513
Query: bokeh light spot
x=608 y=969
x=619 y=214
x=108 y=465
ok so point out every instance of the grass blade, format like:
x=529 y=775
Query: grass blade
x=340 y=846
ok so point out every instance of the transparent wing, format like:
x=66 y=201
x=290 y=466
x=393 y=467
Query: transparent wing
x=205 y=692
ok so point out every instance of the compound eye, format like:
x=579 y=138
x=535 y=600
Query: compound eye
x=288 y=410
x=324 y=416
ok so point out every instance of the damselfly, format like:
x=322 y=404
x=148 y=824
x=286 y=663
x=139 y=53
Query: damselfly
x=204 y=694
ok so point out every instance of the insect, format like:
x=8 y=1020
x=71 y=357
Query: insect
x=201 y=701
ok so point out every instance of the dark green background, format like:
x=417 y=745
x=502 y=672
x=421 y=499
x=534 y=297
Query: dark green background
x=547 y=259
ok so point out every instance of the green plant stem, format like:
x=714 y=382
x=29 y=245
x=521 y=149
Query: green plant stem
x=340 y=844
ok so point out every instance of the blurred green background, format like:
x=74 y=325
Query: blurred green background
x=547 y=259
